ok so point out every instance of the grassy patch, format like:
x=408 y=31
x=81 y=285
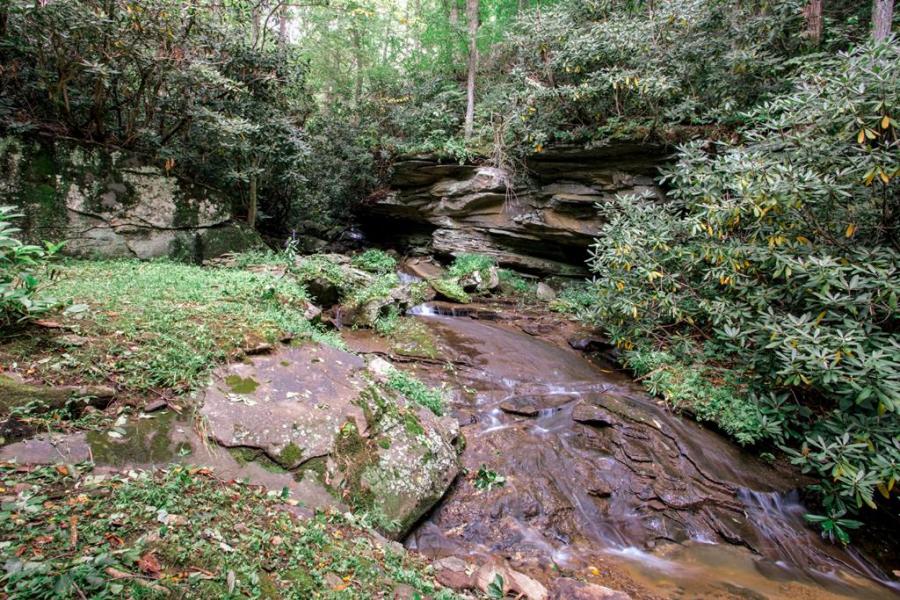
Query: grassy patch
x=577 y=299
x=517 y=285
x=182 y=533
x=375 y=261
x=417 y=392
x=466 y=264
x=159 y=325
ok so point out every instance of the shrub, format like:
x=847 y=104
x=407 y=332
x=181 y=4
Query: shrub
x=776 y=261
x=467 y=264
x=375 y=261
x=19 y=266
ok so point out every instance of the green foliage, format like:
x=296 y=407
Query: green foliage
x=19 y=278
x=467 y=264
x=486 y=479
x=417 y=392
x=576 y=298
x=516 y=283
x=387 y=323
x=375 y=261
x=179 y=83
x=586 y=70
x=164 y=324
x=776 y=260
x=209 y=539
x=834 y=527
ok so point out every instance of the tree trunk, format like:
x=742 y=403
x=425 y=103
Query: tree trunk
x=472 y=16
x=454 y=14
x=882 y=18
x=283 y=25
x=358 y=58
x=813 y=15
x=253 y=207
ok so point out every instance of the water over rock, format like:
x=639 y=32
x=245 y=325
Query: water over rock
x=601 y=478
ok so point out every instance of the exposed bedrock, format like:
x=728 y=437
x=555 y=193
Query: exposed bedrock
x=110 y=204
x=541 y=220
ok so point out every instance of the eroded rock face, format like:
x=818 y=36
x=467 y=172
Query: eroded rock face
x=543 y=222
x=314 y=408
x=110 y=204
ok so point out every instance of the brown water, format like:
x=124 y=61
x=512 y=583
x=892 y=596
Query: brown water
x=604 y=483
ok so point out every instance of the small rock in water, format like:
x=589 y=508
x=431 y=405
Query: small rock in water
x=156 y=405
x=569 y=589
x=545 y=292
x=589 y=414
x=520 y=406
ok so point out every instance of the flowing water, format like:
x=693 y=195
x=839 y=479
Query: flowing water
x=603 y=482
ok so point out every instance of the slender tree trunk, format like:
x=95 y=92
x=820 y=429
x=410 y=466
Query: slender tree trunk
x=472 y=16
x=882 y=18
x=253 y=207
x=283 y=25
x=358 y=58
x=813 y=15
x=256 y=23
x=454 y=14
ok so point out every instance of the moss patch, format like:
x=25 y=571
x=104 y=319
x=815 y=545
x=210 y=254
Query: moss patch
x=241 y=385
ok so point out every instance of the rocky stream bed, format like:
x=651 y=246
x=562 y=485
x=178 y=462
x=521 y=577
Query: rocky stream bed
x=594 y=489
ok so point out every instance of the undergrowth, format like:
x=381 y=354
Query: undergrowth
x=146 y=326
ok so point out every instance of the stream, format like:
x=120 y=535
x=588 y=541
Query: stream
x=600 y=481
x=603 y=482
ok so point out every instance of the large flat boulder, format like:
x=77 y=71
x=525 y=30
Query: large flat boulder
x=315 y=409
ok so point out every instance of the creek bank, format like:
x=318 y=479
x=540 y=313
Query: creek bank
x=603 y=483
x=541 y=220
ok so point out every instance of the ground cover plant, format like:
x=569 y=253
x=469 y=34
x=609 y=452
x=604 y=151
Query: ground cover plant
x=71 y=533
x=154 y=327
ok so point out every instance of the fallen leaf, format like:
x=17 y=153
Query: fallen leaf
x=49 y=324
x=149 y=564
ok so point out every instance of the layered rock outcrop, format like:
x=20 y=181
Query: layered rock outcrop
x=110 y=204
x=542 y=221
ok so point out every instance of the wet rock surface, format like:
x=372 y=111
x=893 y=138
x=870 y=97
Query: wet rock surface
x=605 y=485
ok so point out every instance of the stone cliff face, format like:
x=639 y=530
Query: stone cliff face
x=108 y=204
x=543 y=222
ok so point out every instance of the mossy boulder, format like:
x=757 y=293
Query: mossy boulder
x=450 y=289
x=317 y=411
